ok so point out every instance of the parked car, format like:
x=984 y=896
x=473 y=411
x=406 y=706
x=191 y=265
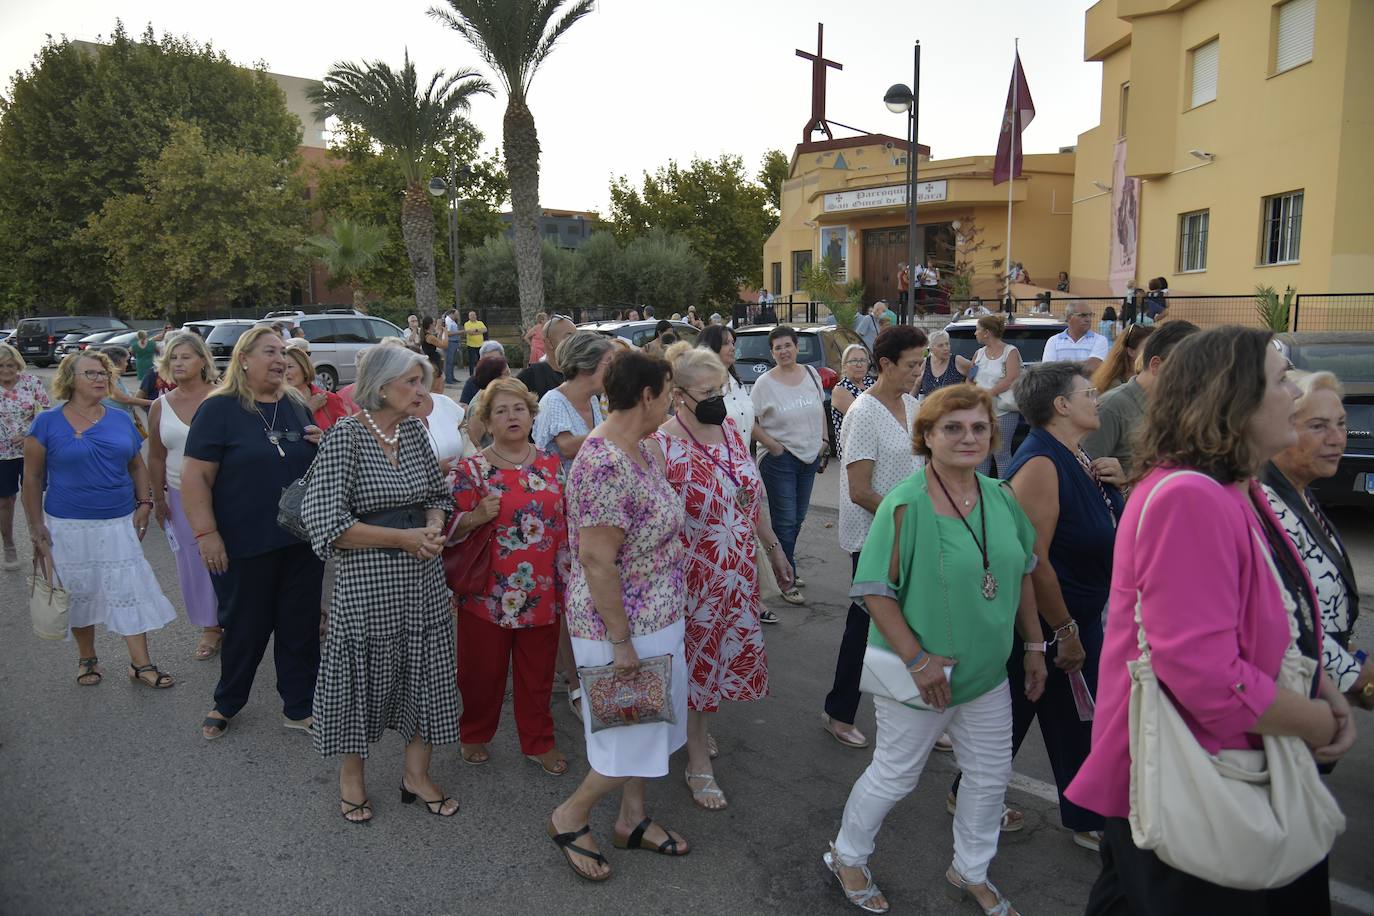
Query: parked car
x=7 y=335
x=79 y=340
x=818 y=345
x=37 y=338
x=639 y=332
x=124 y=339
x=337 y=338
x=1349 y=355
x=220 y=336
x=1028 y=334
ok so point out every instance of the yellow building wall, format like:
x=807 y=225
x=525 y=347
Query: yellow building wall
x=1309 y=128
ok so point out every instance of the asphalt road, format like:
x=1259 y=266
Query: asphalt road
x=113 y=803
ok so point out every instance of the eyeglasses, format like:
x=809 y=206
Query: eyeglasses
x=959 y=430
x=856 y=362
x=1090 y=391
x=1080 y=314
x=95 y=375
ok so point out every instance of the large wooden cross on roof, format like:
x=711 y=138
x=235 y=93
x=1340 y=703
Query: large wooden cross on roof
x=818 y=65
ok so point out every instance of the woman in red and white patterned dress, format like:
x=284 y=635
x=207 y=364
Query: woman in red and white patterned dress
x=709 y=464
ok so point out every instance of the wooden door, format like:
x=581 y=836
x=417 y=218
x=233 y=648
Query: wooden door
x=884 y=251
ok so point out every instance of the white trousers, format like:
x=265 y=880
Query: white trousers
x=981 y=733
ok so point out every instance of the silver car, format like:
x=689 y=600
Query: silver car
x=336 y=340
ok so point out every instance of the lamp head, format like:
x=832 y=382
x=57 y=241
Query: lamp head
x=898 y=98
x=1199 y=154
x=438 y=187
x=1104 y=188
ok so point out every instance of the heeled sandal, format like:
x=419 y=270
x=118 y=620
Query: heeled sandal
x=160 y=681
x=88 y=666
x=957 y=889
x=863 y=897
x=435 y=807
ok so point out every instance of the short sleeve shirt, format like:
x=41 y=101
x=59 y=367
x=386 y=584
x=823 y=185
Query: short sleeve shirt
x=871 y=433
x=88 y=474
x=558 y=415
x=252 y=474
x=18 y=408
x=475 y=331
x=606 y=489
x=1091 y=345
x=541 y=378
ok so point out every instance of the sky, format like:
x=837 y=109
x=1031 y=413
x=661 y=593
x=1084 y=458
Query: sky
x=640 y=82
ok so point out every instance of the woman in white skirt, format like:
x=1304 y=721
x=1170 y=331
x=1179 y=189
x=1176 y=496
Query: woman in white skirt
x=625 y=602
x=88 y=525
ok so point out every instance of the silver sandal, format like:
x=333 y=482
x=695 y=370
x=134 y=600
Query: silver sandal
x=861 y=898
x=710 y=790
x=957 y=887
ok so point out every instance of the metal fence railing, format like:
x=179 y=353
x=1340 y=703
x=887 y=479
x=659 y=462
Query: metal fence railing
x=1333 y=312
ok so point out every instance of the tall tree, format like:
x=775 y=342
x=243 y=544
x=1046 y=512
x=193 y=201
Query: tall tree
x=347 y=249
x=408 y=122
x=211 y=227
x=772 y=174
x=77 y=126
x=514 y=37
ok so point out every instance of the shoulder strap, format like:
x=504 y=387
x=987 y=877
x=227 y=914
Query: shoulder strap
x=1140 y=519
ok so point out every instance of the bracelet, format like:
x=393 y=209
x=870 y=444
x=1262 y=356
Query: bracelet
x=143 y=502
x=1036 y=647
x=912 y=664
x=620 y=642
x=924 y=665
x=1071 y=626
x=771 y=547
x=206 y=533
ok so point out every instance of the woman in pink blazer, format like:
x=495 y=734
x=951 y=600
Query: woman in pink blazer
x=1212 y=611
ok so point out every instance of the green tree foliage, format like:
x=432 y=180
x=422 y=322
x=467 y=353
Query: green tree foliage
x=515 y=37
x=772 y=174
x=211 y=226
x=408 y=120
x=75 y=131
x=362 y=181
x=714 y=204
x=346 y=250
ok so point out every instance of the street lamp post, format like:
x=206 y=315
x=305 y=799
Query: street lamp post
x=900 y=98
x=438 y=187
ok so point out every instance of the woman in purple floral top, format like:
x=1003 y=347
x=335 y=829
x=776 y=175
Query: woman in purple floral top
x=22 y=397
x=625 y=602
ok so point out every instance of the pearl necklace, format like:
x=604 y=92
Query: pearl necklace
x=389 y=441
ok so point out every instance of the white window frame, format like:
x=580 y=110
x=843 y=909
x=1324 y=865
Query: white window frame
x=1281 y=228
x=1193 y=229
x=1295 y=29
x=1204 y=64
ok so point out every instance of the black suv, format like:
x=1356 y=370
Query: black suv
x=37 y=338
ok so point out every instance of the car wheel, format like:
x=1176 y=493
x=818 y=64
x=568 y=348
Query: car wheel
x=327 y=377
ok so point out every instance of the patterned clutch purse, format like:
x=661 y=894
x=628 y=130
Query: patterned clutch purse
x=644 y=697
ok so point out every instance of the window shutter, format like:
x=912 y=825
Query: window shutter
x=1297 y=23
x=1205 y=73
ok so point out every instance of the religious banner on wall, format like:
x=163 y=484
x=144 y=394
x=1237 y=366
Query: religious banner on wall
x=1121 y=267
x=835 y=250
x=893 y=195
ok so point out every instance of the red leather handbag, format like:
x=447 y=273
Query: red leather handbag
x=467 y=564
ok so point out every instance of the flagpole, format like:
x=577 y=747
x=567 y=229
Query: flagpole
x=1011 y=177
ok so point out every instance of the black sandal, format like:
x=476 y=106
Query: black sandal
x=435 y=807
x=88 y=670
x=636 y=841
x=567 y=843
x=364 y=805
x=215 y=727
x=160 y=682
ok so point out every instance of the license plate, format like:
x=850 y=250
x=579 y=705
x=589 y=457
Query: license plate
x=1369 y=484
x=33 y=349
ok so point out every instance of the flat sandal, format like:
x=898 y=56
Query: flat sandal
x=160 y=681
x=88 y=666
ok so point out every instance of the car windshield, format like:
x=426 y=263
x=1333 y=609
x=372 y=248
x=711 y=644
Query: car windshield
x=1349 y=362
x=1030 y=342
x=756 y=347
x=227 y=334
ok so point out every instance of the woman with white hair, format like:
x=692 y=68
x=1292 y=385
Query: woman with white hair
x=22 y=397
x=377 y=504
x=940 y=367
x=856 y=377
x=1288 y=478
x=185 y=361
x=249 y=440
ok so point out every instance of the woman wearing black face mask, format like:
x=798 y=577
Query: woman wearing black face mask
x=709 y=464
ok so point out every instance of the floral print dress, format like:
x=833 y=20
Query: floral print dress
x=530 y=559
x=724 y=643
x=18 y=406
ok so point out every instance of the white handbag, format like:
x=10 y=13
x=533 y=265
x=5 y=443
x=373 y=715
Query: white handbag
x=48 y=603
x=886 y=675
x=1247 y=819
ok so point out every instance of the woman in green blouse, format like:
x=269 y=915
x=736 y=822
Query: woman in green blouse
x=945 y=574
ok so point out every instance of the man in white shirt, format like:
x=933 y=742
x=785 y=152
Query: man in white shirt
x=455 y=343
x=1080 y=343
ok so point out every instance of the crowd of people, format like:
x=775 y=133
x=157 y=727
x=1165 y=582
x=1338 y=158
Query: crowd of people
x=601 y=520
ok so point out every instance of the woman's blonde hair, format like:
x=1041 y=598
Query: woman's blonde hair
x=235 y=381
x=481 y=410
x=191 y=339
x=10 y=354
x=944 y=401
x=64 y=382
x=302 y=360
x=844 y=357
x=694 y=365
x=1120 y=366
x=1309 y=383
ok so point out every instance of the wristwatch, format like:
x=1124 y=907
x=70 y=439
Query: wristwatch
x=1036 y=646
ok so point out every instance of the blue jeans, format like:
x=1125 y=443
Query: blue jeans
x=788 y=481
x=451 y=358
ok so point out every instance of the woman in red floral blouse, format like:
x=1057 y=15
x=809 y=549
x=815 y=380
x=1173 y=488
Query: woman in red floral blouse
x=521 y=489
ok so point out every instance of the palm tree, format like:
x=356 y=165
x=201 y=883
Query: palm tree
x=514 y=37
x=408 y=123
x=346 y=250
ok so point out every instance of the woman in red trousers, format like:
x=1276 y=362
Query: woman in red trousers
x=519 y=489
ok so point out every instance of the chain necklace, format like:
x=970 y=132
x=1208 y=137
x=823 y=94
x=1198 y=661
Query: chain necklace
x=388 y=441
x=516 y=464
x=273 y=435
x=989 y=580
x=743 y=497
x=78 y=433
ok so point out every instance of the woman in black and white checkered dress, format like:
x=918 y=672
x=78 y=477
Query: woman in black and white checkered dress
x=376 y=502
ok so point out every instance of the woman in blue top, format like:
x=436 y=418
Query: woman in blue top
x=249 y=440
x=88 y=525
x=1073 y=504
